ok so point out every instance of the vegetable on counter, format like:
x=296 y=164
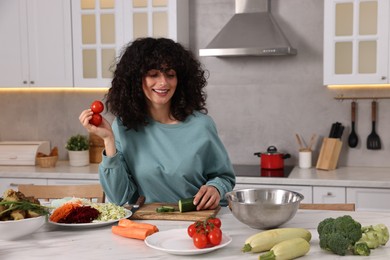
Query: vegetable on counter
x=344 y=235
x=375 y=235
x=132 y=229
x=287 y=249
x=163 y=209
x=186 y=205
x=265 y=240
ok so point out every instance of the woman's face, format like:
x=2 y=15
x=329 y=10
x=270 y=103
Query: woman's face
x=159 y=87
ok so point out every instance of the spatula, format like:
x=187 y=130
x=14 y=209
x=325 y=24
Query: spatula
x=353 y=138
x=373 y=140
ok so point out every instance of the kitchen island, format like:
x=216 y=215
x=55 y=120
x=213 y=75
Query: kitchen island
x=53 y=242
x=367 y=187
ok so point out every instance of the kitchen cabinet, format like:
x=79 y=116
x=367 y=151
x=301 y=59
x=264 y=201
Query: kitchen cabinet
x=102 y=28
x=328 y=195
x=306 y=191
x=36 y=47
x=367 y=199
x=356 y=42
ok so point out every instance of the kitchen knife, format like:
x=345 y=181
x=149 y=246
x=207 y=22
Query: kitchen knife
x=140 y=201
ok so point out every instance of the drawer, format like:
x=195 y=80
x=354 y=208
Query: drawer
x=329 y=195
x=12 y=183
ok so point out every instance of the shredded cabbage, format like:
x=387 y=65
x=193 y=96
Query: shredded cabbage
x=109 y=211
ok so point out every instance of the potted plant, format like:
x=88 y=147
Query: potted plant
x=78 y=150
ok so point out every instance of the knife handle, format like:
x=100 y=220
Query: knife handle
x=140 y=201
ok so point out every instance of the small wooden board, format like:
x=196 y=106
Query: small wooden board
x=148 y=211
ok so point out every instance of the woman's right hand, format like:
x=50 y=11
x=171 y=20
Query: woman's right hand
x=104 y=130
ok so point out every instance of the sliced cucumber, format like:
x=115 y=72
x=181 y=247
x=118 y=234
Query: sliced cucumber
x=163 y=209
x=186 y=205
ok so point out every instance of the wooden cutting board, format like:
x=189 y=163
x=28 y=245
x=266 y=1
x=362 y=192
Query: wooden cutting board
x=148 y=211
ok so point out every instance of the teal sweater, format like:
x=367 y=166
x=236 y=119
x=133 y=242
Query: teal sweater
x=166 y=162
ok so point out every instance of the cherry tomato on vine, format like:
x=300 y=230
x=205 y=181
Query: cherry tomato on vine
x=214 y=236
x=191 y=230
x=216 y=221
x=97 y=107
x=200 y=240
x=96 y=119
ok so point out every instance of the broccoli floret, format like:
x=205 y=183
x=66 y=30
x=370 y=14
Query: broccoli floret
x=361 y=248
x=339 y=235
x=375 y=235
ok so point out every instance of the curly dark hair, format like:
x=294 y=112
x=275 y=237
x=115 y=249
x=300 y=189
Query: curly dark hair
x=126 y=100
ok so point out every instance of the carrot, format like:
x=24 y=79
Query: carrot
x=132 y=232
x=63 y=211
x=129 y=223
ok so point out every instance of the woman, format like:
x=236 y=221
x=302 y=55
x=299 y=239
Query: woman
x=162 y=144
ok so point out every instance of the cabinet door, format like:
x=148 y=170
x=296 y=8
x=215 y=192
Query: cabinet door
x=36 y=45
x=356 y=42
x=12 y=183
x=102 y=28
x=366 y=199
x=50 y=43
x=328 y=195
x=306 y=191
x=13 y=51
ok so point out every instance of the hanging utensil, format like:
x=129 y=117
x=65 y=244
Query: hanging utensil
x=353 y=138
x=373 y=140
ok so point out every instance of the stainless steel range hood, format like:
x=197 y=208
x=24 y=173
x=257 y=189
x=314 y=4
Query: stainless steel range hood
x=252 y=31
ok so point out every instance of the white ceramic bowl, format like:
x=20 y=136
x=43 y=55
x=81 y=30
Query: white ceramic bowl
x=14 y=229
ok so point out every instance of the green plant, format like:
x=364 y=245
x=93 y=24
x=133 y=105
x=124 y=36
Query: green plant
x=77 y=143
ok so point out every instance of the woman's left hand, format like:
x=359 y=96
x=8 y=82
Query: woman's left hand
x=208 y=197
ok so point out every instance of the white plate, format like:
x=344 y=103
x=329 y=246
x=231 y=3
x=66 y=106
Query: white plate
x=177 y=242
x=93 y=224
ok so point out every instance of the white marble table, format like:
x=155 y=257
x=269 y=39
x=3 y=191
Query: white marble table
x=99 y=243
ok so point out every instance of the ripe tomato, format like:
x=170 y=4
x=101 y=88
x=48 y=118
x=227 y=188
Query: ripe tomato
x=96 y=119
x=191 y=230
x=97 y=107
x=216 y=221
x=215 y=236
x=200 y=240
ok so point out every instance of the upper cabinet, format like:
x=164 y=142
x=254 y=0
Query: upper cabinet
x=356 y=42
x=75 y=43
x=36 y=45
x=102 y=28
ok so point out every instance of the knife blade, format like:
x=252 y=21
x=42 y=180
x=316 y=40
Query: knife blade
x=140 y=201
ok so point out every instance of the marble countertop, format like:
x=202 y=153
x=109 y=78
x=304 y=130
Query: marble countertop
x=53 y=242
x=370 y=177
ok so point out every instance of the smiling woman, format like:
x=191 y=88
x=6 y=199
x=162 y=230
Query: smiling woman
x=162 y=144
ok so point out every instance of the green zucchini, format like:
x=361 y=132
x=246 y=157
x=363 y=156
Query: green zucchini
x=186 y=205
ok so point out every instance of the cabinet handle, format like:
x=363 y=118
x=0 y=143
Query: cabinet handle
x=329 y=194
x=24 y=81
x=383 y=78
x=32 y=82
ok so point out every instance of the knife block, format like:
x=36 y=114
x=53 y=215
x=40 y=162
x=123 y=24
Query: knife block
x=329 y=154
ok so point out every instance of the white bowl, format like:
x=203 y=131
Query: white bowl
x=13 y=229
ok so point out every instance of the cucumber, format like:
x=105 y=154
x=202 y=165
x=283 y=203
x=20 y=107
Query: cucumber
x=186 y=205
x=165 y=209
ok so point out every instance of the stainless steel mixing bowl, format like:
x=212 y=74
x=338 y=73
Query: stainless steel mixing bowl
x=264 y=208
